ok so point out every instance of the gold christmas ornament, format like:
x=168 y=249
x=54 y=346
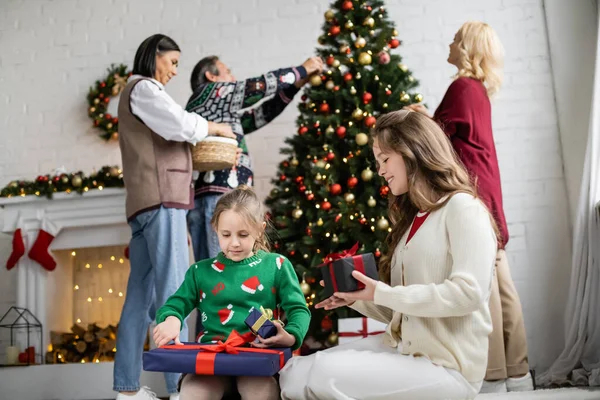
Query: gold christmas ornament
x=361 y=139
x=92 y=109
x=352 y=90
x=404 y=97
x=395 y=32
x=115 y=136
x=321 y=39
x=114 y=172
x=96 y=101
x=329 y=130
x=419 y=97
x=316 y=80
x=294 y=162
x=366 y=175
x=360 y=42
x=349 y=197
x=383 y=224
x=349 y=25
x=385 y=105
x=358 y=75
x=372 y=32
x=321 y=164
x=369 y=22
x=329 y=15
x=344 y=48
x=305 y=287
x=371 y=202
x=411 y=79
x=402 y=67
x=357 y=114
x=336 y=63
x=109 y=125
x=364 y=58
x=77 y=181
x=332 y=339
x=65 y=179
x=330 y=85
x=320 y=222
x=297 y=213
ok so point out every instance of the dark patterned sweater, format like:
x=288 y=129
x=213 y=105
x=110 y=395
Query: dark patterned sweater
x=224 y=102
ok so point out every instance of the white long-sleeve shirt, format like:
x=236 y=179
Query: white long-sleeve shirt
x=437 y=302
x=151 y=103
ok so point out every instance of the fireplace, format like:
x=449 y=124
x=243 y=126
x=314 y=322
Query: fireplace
x=87 y=287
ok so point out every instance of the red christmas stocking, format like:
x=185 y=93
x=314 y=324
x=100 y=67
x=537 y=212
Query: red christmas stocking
x=17 y=251
x=39 y=251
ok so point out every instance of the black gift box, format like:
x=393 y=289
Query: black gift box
x=337 y=275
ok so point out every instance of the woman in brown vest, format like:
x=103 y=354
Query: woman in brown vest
x=154 y=135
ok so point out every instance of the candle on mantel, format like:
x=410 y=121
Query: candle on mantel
x=12 y=355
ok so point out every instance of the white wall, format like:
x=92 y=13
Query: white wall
x=52 y=51
x=572 y=35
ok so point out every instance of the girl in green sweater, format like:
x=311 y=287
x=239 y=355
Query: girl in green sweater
x=225 y=289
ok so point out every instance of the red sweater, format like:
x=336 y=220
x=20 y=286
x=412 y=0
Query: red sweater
x=465 y=114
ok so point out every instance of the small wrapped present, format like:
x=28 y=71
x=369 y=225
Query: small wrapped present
x=261 y=322
x=225 y=359
x=338 y=267
x=351 y=329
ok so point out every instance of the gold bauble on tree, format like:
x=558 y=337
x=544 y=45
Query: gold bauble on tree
x=366 y=175
x=371 y=202
x=349 y=25
x=360 y=42
x=383 y=224
x=321 y=164
x=77 y=181
x=357 y=114
x=114 y=172
x=329 y=15
x=294 y=162
x=364 y=58
x=369 y=22
x=352 y=90
x=329 y=85
x=305 y=287
x=418 y=97
x=349 y=197
x=361 y=139
x=332 y=339
x=297 y=213
x=336 y=63
x=329 y=130
x=316 y=80
x=402 y=67
x=320 y=222
x=404 y=97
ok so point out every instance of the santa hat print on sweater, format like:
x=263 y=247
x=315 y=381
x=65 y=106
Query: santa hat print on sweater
x=202 y=296
x=251 y=285
x=279 y=261
x=218 y=266
x=225 y=314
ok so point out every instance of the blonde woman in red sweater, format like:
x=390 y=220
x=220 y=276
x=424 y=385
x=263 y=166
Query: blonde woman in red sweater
x=465 y=114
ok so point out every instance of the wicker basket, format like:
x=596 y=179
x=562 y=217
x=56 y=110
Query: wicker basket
x=214 y=153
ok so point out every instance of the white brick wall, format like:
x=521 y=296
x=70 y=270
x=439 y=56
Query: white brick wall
x=52 y=51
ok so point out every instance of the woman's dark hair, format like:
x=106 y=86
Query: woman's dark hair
x=145 y=57
x=207 y=64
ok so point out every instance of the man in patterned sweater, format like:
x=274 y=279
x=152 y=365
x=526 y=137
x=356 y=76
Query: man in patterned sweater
x=218 y=97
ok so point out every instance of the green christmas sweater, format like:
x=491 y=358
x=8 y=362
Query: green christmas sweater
x=225 y=292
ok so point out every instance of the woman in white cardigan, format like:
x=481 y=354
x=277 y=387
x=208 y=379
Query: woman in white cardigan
x=434 y=288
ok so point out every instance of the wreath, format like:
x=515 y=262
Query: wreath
x=99 y=97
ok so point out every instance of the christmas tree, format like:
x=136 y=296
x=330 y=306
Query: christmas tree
x=327 y=194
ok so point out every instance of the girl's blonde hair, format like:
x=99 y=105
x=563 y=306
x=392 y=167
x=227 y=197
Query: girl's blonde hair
x=481 y=55
x=433 y=171
x=244 y=201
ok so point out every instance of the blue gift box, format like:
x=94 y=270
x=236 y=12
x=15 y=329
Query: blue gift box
x=260 y=324
x=216 y=359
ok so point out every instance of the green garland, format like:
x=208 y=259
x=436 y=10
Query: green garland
x=47 y=185
x=99 y=97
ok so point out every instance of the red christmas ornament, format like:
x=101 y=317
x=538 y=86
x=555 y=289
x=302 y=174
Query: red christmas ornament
x=338 y=217
x=352 y=182
x=302 y=130
x=308 y=231
x=335 y=189
x=363 y=220
x=285 y=164
x=340 y=131
x=326 y=206
x=336 y=88
x=384 y=57
x=56 y=179
x=334 y=30
x=102 y=84
x=282 y=178
x=304 y=97
x=370 y=121
x=292 y=252
x=347 y=76
x=324 y=108
x=388 y=92
x=348 y=50
x=101 y=96
x=347 y=6
x=367 y=97
x=299 y=179
x=310 y=196
x=302 y=188
x=330 y=60
x=377 y=253
x=330 y=156
x=394 y=43
x=316 y=124
x=384 y=191
x=276 y=245
x=108 y=116
x=107 y=100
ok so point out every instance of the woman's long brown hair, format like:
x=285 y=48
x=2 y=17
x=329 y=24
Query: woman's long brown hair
x=433 y=170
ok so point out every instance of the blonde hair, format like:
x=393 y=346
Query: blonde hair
x=244 y=201
x=433 y=172
x=481 y=55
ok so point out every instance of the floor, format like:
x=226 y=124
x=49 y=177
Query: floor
x=546 y=394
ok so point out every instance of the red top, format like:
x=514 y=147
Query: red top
x=419 y=219
x=465 y=114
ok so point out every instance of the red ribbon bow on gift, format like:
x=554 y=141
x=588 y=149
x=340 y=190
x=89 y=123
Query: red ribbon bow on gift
x=336 y=256
x=364 y=332
x=205 y=359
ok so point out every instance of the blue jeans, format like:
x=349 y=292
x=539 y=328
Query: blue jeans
x=158 y=255
x=204 y=238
